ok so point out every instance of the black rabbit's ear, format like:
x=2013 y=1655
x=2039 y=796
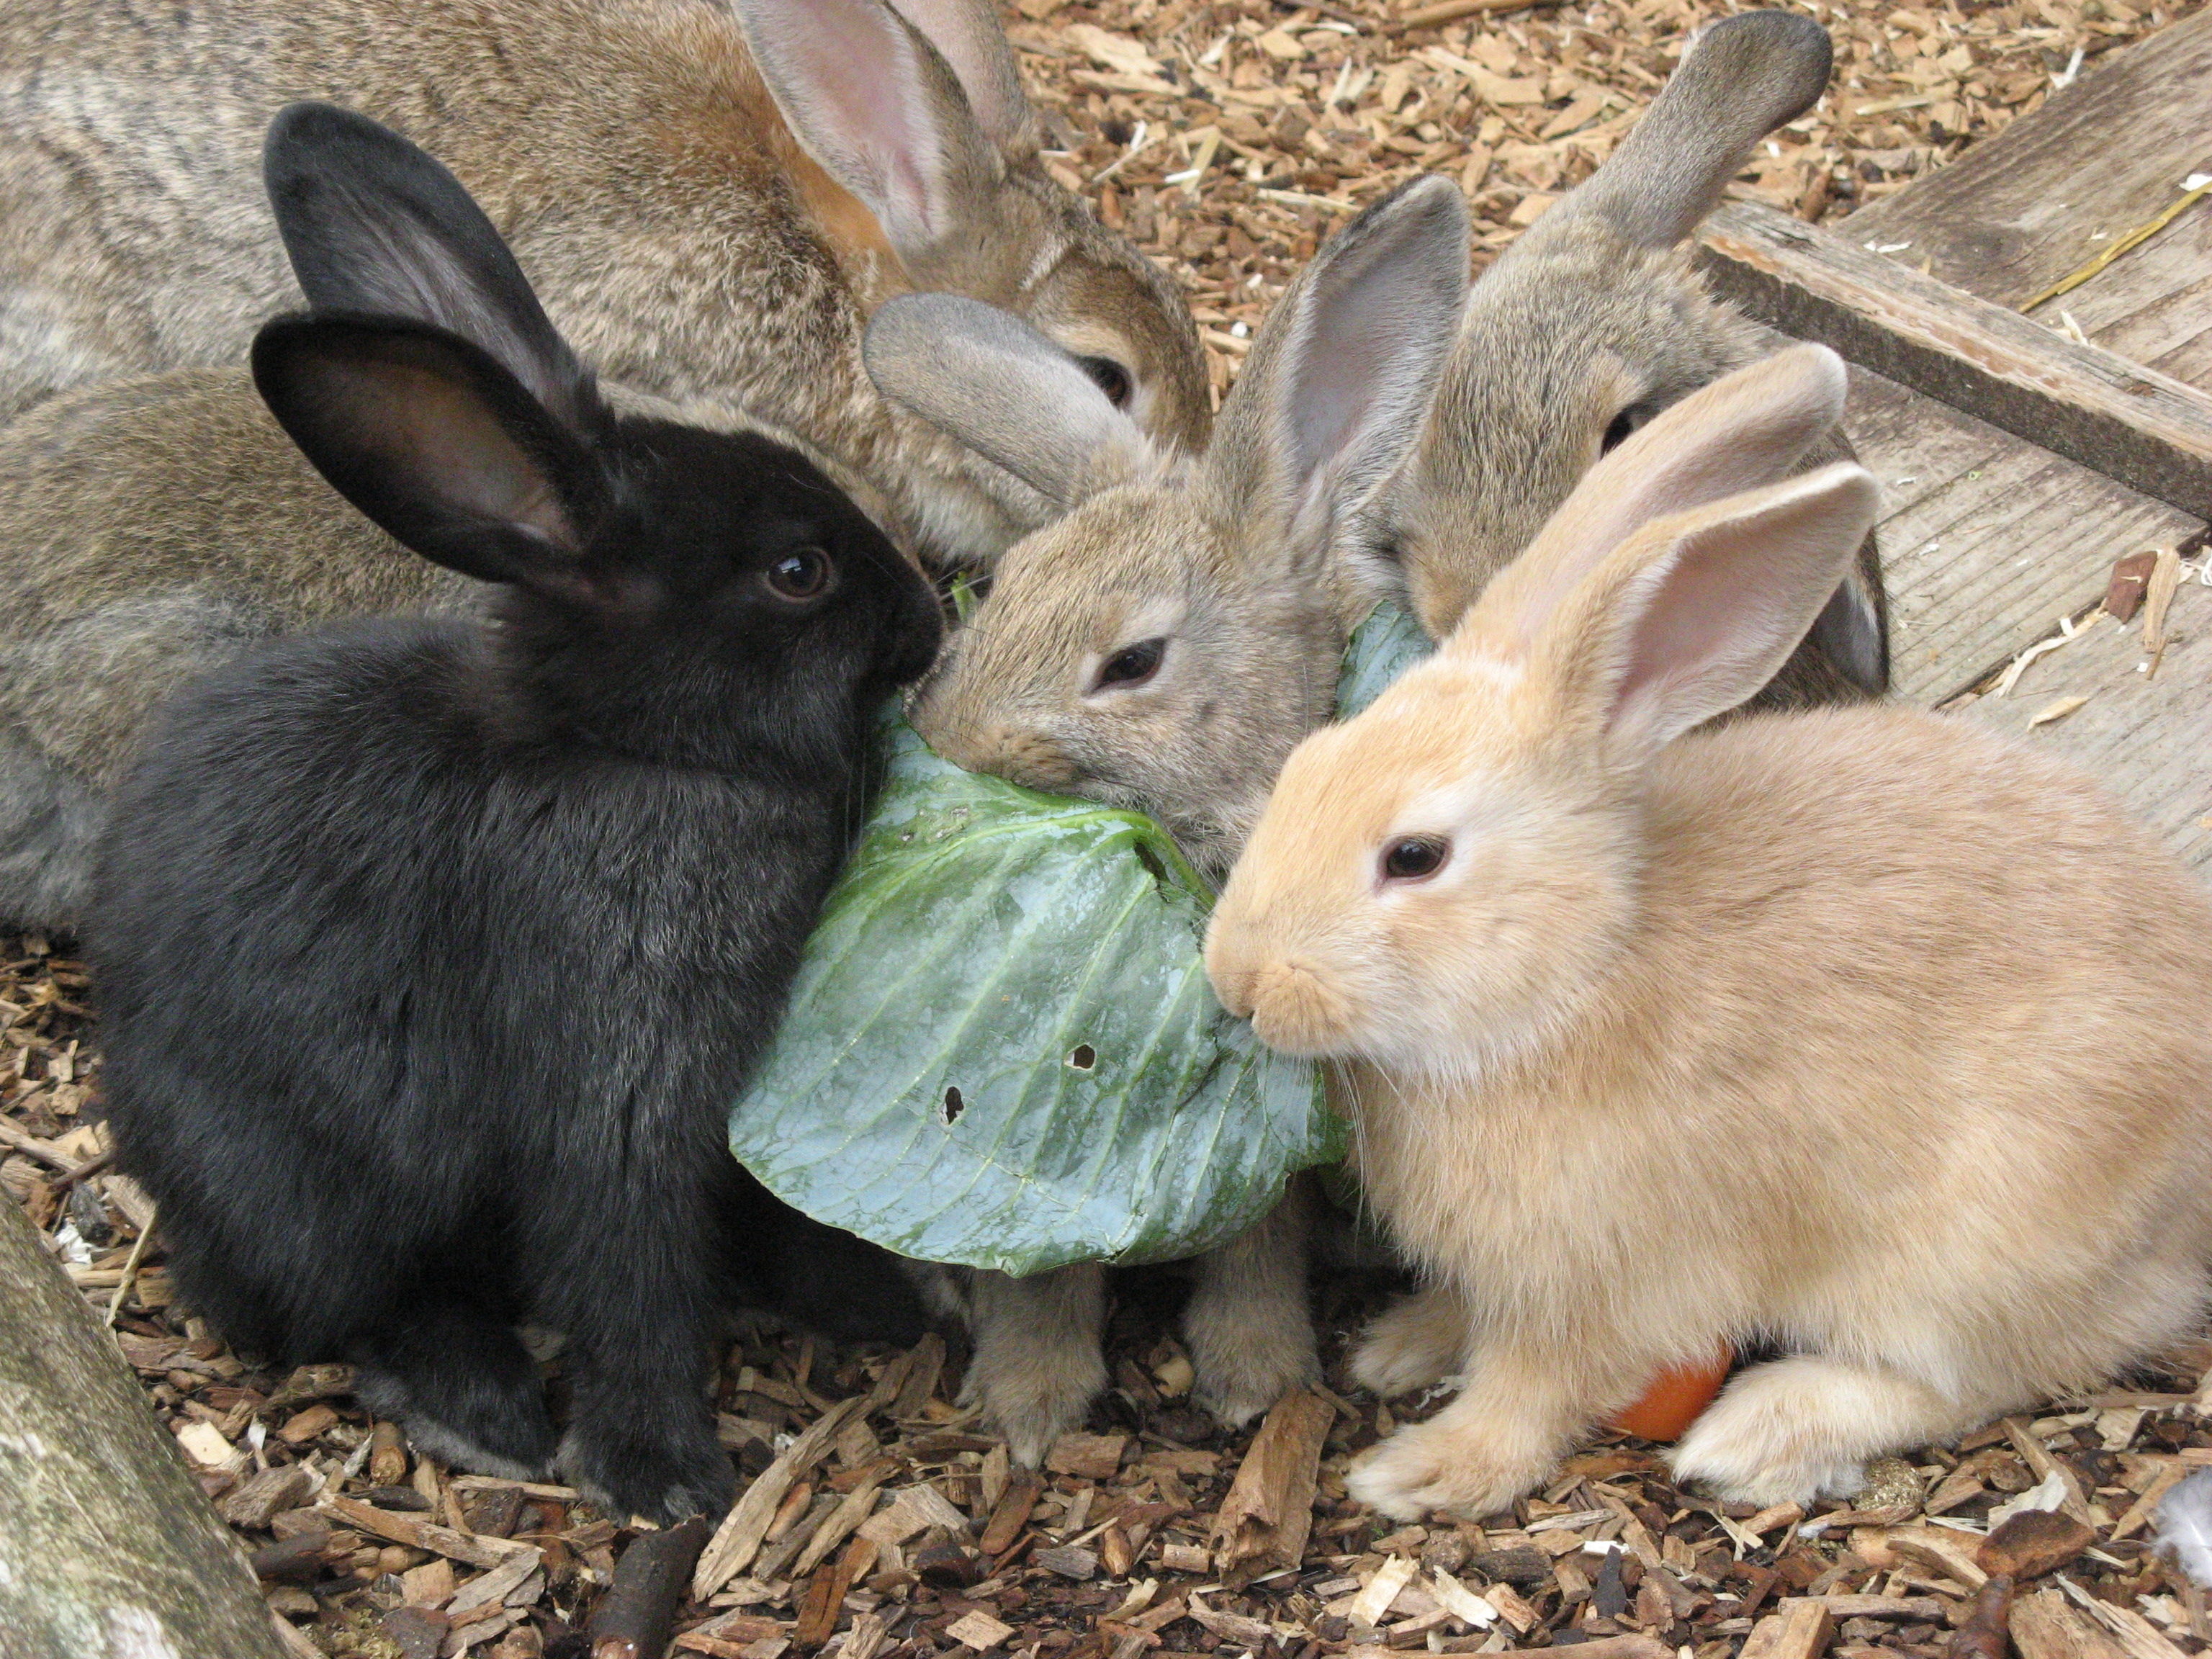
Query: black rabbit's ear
x=434 y=440
x=373 y=224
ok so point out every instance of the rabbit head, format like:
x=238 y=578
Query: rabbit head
x=680 y=588
x=917 y=110
x=1593 y=321
x=1436 y=882
x=1162 y=646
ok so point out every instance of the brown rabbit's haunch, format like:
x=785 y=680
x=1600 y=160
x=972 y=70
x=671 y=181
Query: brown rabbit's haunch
x=1860 y=1031
x=711 y=199
x=1591 y=323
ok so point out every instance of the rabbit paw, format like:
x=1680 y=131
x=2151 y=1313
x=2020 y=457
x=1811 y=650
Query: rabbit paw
x=1036 y=1395
x=666 y=1479
x=1246 y=1363
x=1796 y=1429
x=1413 y=1346
x=1439 y=1466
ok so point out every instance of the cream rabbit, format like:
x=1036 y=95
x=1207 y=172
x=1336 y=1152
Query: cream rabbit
x=1860 y=1031
x=711 y=196
x=1163 y=647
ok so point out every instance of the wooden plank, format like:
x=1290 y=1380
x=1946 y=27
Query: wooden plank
x=1986 y=540
x=2146 y=429
x=2153 y=306
x=2012 y=215
x=2144 y=736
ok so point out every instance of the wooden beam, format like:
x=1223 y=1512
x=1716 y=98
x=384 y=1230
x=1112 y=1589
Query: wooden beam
x=2144 y=428
x=107 y=1547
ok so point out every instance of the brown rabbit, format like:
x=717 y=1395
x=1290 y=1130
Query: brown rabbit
x=1163 y=647
x=151 y=529
x=1858 y=1029
x=1592 y=322
x=711 y=198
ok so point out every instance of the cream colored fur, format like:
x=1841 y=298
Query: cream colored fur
x=1861 y=1031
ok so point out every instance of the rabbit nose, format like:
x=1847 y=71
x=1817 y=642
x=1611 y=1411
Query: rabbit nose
x=1296 y=1011
x=1026 y=757
x=1232 y=988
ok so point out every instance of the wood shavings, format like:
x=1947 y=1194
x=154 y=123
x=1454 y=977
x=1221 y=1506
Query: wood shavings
x=2058 y=710
x=2130 y=240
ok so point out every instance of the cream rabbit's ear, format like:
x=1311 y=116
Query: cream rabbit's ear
x=1694 y=613
x=1745 y=430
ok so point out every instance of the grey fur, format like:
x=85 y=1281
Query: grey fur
x=677 y=232
x=1595 y=314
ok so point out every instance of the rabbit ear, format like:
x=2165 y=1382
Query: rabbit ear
x=968 y=35
x=878 y=105
x=987 y=379
x=373 y=224
x=435 y=441
x=1743 y=431
x=1696 y=613
x=1340 y=379
x=1740 y=79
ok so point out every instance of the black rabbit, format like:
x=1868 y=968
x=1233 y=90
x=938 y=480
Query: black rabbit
x=433 y=953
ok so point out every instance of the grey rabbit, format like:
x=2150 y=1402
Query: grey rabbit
x=712 y=195
x=431 y=951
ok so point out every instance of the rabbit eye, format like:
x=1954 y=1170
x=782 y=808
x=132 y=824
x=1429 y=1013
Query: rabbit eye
x=1132 y=665
x=799 y=575
x=1110 y=377
x=1616 y=433
x=1414 y=858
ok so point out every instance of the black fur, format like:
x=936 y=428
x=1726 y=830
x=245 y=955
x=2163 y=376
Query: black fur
x=433 y=954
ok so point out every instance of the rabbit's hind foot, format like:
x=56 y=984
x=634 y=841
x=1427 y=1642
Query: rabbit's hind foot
x=649 y=1465
x=1036 y=1365
x=1413 y=1345
x=1801 y=1428
x=466 y=1392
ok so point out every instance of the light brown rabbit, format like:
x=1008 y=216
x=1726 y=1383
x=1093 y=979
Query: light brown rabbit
x=1860 y=1030
x=696 y=236
x=1592 y=322
x=1162 y=648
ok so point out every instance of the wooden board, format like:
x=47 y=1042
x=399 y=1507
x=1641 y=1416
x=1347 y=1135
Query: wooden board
x=2012 y=215
x=2144 y=428
x=1988 y=538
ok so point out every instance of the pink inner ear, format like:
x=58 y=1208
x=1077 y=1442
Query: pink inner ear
x=853 y=89
x=968 y=36
x=447 y=444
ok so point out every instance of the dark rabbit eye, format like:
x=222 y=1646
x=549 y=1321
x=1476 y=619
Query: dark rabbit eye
x=1112 y=379
x=1626 y=422
x=799 y=575
x=1415 y=858
x=1132 y=665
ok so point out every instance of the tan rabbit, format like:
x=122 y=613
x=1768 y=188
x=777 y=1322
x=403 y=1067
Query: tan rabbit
x=696 y=236
x=1592 y=322
x=1859 y=1030
x=151 y=529
x=1162 y=648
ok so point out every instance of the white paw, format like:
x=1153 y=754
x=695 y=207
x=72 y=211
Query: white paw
x=1406 y=1349
x=1429 y=1468
x=1775 y=1436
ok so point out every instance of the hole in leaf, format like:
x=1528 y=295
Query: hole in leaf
x=1083 y=1057
x=953 y=1104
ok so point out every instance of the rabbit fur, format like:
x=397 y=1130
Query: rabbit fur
x=152 y=529
x=431 y=951
x=713 y=198
x=1593 y=321
x=1857 y=1031
x=1224 y=567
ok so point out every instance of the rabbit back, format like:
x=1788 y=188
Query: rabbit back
x=682 y=234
